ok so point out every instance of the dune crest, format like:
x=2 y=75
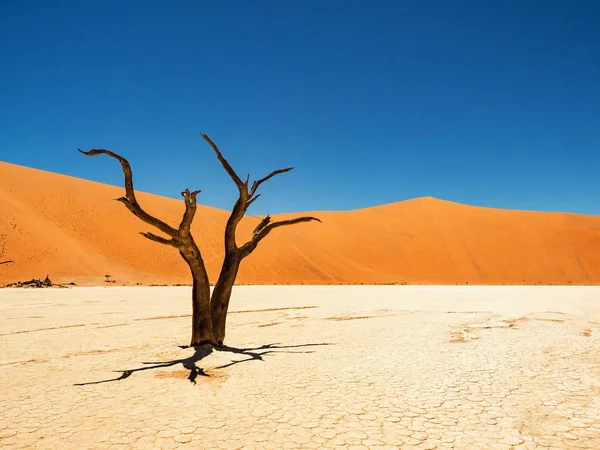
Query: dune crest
x=73 y=230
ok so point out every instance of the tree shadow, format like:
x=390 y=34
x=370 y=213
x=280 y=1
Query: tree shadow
x=256 y=355
x=201 y=352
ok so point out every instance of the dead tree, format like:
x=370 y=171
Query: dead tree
x=209 y=314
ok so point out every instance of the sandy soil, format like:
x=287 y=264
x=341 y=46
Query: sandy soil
x=73 y=230
x=308 y=367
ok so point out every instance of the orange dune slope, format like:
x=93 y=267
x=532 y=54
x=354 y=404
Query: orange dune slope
x=73 y=230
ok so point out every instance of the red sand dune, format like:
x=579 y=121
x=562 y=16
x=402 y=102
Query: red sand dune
x=73 y=230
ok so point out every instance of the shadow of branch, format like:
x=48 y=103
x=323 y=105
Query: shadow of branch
x=256 y=355
x=201 y=352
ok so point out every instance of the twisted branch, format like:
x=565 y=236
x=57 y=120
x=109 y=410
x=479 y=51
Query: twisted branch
x=252 y=200
x=263 y=223
x=266 y=226
x=189 y=199
x=159 y=239
x=257 y=183
x=132 y=204
x=234 y=176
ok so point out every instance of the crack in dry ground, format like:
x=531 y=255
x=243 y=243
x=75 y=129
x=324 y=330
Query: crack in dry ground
x=530 y=381
x=48 y=329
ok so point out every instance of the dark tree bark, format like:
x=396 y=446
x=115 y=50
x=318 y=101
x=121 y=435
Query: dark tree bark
x=222 y=293
x=209 y=313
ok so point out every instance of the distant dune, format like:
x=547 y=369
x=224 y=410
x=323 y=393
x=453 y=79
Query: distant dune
x=73 y=230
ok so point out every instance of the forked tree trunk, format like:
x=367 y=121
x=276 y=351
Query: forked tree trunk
x=208 y=316
x=222 y=294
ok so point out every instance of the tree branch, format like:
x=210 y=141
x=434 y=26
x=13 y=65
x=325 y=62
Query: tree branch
x=129 y=200
x=257 y=183
x=234 y=176
x=6 y=262
x=189 y=199
x=266 y=226
x=283 y=223
x=159 y=239
x=263 y=223
x=252 y=200
x=240 y=205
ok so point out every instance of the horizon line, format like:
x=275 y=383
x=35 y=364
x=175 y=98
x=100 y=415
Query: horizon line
x=377 y=205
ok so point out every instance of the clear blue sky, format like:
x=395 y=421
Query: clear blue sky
x=492 y=103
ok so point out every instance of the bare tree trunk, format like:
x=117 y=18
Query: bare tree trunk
x=222 y=294
x=202 y=326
